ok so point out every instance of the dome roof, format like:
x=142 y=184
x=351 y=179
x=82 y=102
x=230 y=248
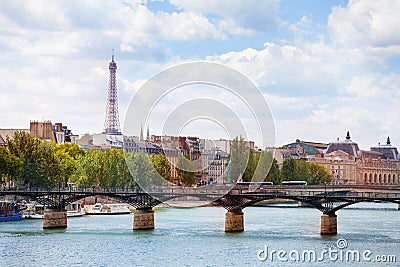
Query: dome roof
x=388 y=151
x=346 y=145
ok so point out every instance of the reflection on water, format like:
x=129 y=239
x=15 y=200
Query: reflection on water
x=195 y=237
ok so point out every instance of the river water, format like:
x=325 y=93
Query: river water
x=195 y=237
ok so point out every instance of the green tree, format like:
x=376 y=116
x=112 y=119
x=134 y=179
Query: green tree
x=186 y=171
x=312 y=173
x=142 y=170
x=238 y=157
x=274 y=173
x=50 y=165
x=66 y=155
x=289 y=170
x=251 y=166
x=318 y=175
x=90 y=168
x=73 y=150
x=127 y=167
x=104 y=169
x=302 y=171
x=10 y=166
x=125 y=177
x=40 y=166
x=25 y=147
x=162 y=166
x=114 y=176
x=267 y=169
x=67 y=165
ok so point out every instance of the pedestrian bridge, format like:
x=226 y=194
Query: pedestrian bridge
x=327 y=199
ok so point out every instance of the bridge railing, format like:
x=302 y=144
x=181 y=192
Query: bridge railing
x=329 y=194
x=75 y=189
x=293 y=192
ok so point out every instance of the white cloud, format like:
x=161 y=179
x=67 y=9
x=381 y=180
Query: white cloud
x=366 y=23
x=317 y=90
x=299 y=69
x=238 y=15
x=66 y=27
x=57 y=56
x=187 y=26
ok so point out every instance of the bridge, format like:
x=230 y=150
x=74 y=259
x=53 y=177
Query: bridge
x=326 y=199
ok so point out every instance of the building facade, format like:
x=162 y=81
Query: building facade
x=217 y=167
x=57 y=132
x=350 y=165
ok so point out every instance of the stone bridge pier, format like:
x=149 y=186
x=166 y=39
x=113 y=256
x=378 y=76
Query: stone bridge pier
x=234 y=221
x=143 y=219
x=328 y=208
x=55 y=218
x=329 y=224
x=234 y=217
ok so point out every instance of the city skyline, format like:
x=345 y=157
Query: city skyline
x=324 y=68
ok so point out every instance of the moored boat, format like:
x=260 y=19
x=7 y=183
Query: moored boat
x=108 y=209
x=75 y=209
x=36 y=211
x=9 y=211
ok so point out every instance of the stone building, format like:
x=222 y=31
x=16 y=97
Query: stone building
x=350 y=165
x=299 y=150
x=57 y=132
x=381 y=165
x=217 y=167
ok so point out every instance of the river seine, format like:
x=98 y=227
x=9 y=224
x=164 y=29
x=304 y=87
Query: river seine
x=369 y=235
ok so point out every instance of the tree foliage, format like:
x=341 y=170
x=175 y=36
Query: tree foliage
x=32 y=162
x=186 y=171
x=268 y=168
x=90 y=168
x=318 y=174
x=162 y=166
x=10 y=166
x=251 y=166
x=40 y=166
x=300 y=170
x=238 y=158
x=116 y=173
x=274 y=173
x=142 y=170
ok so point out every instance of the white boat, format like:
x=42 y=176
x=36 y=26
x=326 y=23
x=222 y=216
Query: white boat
x=108 y=209
x=75 y=209
x=36 y=211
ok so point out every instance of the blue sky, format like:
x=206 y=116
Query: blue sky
x=324 y=67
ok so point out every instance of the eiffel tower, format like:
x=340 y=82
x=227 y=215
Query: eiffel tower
x=111 y=123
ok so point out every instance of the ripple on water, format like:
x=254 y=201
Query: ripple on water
x=192 y=237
